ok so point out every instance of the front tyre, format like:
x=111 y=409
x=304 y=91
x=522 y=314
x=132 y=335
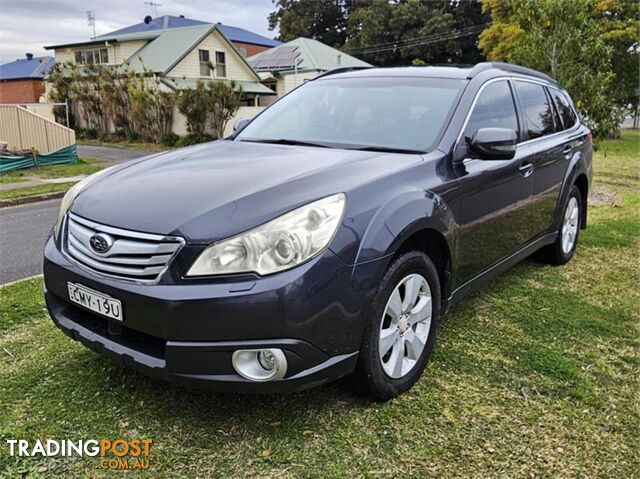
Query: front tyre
x=563 y=249
x=401 y=328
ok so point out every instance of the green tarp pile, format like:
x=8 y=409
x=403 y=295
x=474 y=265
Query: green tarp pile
x=65 y=155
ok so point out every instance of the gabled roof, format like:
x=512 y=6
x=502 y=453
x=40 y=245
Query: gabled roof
x=170 y=46
x=153 y=29
x=161 y=23
x=241 y=35
x=310 y=55
x=36 y=68
x=168 y=22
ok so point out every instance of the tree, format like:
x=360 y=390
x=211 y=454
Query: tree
x=323 y=20
x=192 y=103
x=385 y=33
x=619 y=23
x=213 y=102
x=466 y=14
x=223 y=104
x=562 y=38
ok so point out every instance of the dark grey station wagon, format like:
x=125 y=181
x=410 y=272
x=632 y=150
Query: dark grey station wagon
x=327 y=236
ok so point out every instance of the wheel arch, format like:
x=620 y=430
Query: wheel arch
x=582 y=183
x=434 y=244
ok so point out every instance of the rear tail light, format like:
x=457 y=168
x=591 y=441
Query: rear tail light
x=590 y=137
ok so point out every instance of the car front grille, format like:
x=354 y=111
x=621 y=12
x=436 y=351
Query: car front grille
x=130 y=255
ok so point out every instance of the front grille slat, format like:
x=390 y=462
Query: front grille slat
x=132 y=255
x=134 y=260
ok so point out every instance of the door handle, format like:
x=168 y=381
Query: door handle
x=567 y=150
x=526 y=168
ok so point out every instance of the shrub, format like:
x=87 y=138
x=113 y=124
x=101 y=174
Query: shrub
x=87 y=133
x=169 y=139
x=192 y=139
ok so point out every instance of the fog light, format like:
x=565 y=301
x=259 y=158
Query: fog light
x=267 y=360
x=260 y=364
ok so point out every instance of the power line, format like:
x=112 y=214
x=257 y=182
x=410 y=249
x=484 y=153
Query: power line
x=418 y=41
x=428 y=37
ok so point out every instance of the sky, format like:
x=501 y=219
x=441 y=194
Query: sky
x=29 y=25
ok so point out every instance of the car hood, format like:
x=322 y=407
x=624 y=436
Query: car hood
x=215 y=190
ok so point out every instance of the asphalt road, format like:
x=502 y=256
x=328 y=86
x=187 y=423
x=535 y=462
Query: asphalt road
x=23 y=232
x=111 y=153
x=24 y=229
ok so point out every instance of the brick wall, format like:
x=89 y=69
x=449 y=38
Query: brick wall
x=21 y=91
x=251 y=49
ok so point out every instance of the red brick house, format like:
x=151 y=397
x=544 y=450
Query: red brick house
x=22 y=81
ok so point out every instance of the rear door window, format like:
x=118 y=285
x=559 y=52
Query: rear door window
x=494 y=108
x=566 y=111
x=536 y=110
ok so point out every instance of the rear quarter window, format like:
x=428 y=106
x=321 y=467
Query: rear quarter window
x=566 y=111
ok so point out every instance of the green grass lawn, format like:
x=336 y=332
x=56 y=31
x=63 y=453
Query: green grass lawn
x=536 y=375
x=84 y=166
x=35 y=190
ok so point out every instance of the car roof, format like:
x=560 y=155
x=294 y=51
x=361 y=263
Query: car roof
x=462 y=72
x=428 y=71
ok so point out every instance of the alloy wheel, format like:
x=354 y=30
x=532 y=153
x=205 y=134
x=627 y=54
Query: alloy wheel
x=405 y=325
x=570 y=225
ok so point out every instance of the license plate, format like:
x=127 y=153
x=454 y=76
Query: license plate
x=95 y=301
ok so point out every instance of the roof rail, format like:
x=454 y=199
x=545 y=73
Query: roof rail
x=508 y=67
x=341 y=70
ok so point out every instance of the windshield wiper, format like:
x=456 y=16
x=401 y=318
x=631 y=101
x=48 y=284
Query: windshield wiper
x=285 y=141
x=386 y=149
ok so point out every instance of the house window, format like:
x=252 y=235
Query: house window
x=221 y=66
x=89 y=57
x=205 y=63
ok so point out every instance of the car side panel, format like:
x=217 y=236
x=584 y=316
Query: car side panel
x=580 y=163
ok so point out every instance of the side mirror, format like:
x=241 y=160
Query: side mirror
x=494 y=143
x=240 y=123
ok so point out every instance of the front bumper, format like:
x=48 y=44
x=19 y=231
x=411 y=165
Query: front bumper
x=187 y=332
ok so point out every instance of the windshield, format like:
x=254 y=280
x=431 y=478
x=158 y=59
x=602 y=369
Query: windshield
x=400 y=113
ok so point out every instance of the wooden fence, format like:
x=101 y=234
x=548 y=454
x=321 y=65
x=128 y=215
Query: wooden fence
x=25 y=130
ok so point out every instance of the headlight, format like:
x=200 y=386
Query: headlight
x=280 y=244
x=71 y=195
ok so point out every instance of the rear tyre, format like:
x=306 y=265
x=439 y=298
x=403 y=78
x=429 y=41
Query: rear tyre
x=401 y=328
x=564 y=247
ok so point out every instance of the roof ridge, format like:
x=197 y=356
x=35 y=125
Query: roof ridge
x=309 y=52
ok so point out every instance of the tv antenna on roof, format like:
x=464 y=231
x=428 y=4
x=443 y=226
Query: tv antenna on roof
x=155 y=6
x=91 y=21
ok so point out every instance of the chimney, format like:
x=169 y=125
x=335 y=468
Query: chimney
x=181 y=16
x=29 y=56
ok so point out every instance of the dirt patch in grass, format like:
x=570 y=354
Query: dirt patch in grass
x=601 y=195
